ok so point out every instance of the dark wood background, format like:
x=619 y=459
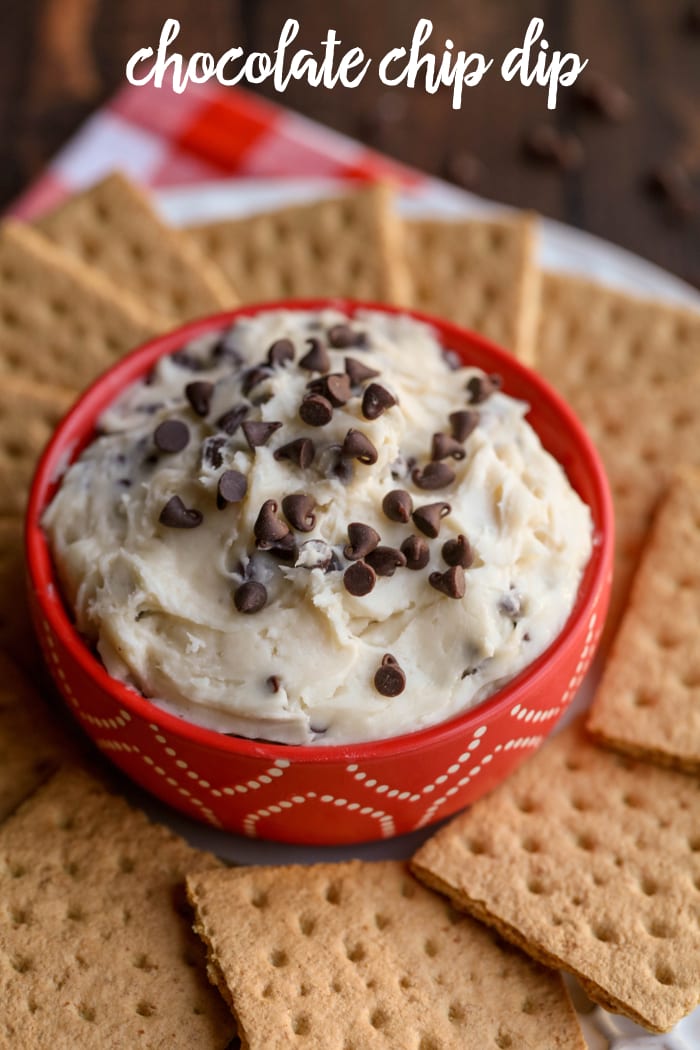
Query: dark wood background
x=61 y=58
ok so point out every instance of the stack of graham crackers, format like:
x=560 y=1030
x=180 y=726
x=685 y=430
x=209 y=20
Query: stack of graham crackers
x=586 y=859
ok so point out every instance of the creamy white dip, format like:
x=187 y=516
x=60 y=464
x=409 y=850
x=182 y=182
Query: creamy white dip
x=159 y=602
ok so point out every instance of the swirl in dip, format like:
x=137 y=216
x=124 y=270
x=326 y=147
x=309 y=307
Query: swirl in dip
x=314 y=530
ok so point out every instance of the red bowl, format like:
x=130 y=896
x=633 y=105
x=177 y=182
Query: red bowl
x=343 y=793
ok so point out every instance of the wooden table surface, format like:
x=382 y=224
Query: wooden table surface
x=60 y=58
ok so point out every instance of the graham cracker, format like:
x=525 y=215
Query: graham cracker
x=16 y=631
x=592 y=336
x=355 y=955
x=648 y=702
x=480 y=274
x=113 y=227
x=643 y=433
x=29 y=413
x=590 y=861
x=95 y=944
x=32 y=740
x=61 y=323
x=346 y=246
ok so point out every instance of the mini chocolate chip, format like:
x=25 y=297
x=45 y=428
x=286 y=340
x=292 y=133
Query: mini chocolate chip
x=463 y=423
x=397 y=505
x=284 y=549
x=317 y=359
x=359 y=372
x=451 y=582
x=464 y=169
x=376 y=400
x=316 y=554
x=172 y=435
x=358 y=446
x=416 y=551
x=480 y=388
x=434 y=475
x=332 y=465
x=175 y=515
x=458 y=552
x=510 y=605
x=548 y=145
x=691 y=18
x=224 y=351
x=359 y=579
x=184 y=359
x=247 y=571
x=281 y=351
x=334 y=387
x=211 y=451
x=341 y=336
x=268 y=529
x=603 y=97
x=250 y=597
x=298 y=509
x=389 y=680
x=402 y=466
x=199 y=395
x=258 y=433
x=231 y=488
x=427 y=518
x=444 y=446
x=363 y=539
x=668 y=179
x=386 y=560
x=252 y=377
x=315 y=410
x=273 y=683
x=300 y=451
x=338 y=388
x=232 y=419
x=671 y=182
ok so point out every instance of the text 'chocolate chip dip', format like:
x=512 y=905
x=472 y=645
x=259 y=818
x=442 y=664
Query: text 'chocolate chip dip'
x=326 y=504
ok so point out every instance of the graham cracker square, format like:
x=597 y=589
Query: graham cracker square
x=589 y=861
x=95 y=942
x=648 y=702
x=29 y=413
x=356 y=955
x=643 y=434
x=591 y=336
x=33 y=739
x=113 y=227
x=481 y=274
x=349 y=246
x=16 y=631
x=61 y=323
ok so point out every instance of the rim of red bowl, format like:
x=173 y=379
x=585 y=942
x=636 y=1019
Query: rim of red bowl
x=77 y=428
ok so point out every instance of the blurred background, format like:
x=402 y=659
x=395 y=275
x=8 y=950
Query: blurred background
x=620 y=156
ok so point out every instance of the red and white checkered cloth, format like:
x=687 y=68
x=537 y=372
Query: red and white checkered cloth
x=209 y=132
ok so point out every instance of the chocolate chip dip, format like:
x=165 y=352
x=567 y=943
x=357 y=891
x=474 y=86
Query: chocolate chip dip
x=317 y=530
